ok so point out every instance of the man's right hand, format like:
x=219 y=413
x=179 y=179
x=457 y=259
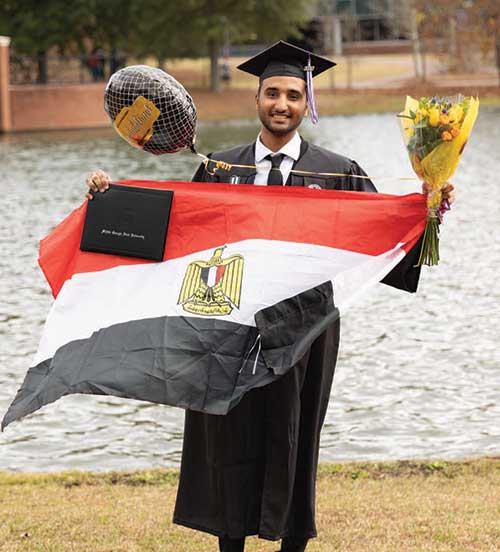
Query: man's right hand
x=98 y=181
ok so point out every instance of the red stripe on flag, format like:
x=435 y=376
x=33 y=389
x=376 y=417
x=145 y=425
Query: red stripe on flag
x=206 y=216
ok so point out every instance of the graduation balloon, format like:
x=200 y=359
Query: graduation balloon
x=150 y=109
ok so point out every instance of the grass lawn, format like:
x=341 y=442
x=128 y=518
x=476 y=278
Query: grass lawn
x=380 y=84
x=373 y=69
x=366 y=507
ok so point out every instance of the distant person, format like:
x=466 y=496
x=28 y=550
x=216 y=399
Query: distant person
x=253 y=471
x=117 y=60
x=225 y=72
x=95 y=63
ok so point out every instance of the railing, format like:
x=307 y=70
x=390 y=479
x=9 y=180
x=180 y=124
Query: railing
x=50 y=69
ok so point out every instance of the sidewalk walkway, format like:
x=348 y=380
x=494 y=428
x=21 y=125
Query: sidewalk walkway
x=386 y=72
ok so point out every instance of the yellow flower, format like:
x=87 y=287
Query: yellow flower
x=433 y=116
x=456 y=114
x=446 y=136
x=420 y=114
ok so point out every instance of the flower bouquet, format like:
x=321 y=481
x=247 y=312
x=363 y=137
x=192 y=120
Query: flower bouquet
x=435 y=132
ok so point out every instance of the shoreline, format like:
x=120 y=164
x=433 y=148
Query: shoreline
x=362 y=83
x=369 y=469
x=239 y=104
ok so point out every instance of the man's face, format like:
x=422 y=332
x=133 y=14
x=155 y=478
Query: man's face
x=282 y=104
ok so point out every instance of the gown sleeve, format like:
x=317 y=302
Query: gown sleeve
x=201 y=174
x=359 y=184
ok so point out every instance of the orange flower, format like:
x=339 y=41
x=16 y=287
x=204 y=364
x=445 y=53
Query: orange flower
x=444 y=119
x=446 y=136
x=455 y=132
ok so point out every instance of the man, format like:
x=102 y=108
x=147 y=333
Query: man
x=253 y=471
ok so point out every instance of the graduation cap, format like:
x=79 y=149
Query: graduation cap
x=286 y=60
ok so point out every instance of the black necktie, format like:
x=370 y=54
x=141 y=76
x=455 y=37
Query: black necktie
x=275 y=178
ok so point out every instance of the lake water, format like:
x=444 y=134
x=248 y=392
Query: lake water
x=418 y=375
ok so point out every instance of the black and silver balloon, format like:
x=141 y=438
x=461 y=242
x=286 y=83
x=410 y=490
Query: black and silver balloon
x=151 y=110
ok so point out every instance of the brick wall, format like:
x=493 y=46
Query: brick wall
x=40 y=107
x=43 y=107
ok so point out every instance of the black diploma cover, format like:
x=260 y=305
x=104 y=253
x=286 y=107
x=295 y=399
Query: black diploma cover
x=129 y=221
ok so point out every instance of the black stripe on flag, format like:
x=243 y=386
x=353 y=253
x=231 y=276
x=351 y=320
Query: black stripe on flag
x=201 y=364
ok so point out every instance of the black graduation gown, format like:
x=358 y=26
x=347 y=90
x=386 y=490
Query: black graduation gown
x=253 y=471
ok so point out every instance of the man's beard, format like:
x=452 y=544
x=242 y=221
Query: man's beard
x=266 y=123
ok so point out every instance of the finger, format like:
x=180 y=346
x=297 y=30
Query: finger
x=98 y=183
x=450 y=198
x=448 y=195
x=91 y=184
x=89 y=196
x=426 y=188
x=102 y=180
x=103 y=185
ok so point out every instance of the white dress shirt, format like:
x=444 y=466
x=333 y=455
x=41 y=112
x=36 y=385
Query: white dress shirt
x=291 y=150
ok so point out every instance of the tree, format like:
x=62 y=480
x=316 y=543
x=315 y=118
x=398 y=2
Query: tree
x=36 y=27
x=161 y=28
x=484 y=16
x=197 y=27
x=165 y=29
x=462 y=29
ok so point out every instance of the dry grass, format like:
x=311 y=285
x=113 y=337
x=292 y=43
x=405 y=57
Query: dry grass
x=380 y=82
x=373 y=69
x=401 y=506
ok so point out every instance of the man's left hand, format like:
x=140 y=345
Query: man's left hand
x=447 y=191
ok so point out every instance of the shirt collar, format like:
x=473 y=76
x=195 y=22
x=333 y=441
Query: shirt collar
x=290 y=149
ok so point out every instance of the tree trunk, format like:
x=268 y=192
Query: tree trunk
x=42 y=76
x=214 y=48
x=423 y=57
x=415 y=40
x=497 y=51
x=349 y=71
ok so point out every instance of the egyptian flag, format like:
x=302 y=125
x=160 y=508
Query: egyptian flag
x=251 y=276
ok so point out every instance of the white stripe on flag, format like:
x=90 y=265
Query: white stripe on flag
x=273 y=271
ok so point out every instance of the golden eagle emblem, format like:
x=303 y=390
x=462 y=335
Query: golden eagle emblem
x=212 y=287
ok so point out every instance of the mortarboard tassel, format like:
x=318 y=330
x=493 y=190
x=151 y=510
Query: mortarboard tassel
x=310 y=91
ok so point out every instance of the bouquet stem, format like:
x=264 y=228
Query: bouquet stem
x=429 y=254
